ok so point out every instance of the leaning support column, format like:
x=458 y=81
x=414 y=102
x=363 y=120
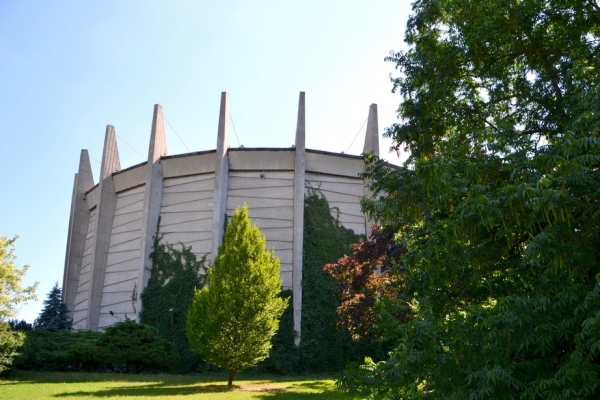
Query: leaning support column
x=106 y=213
x=221 y=177
x=79 y=220
x=299 y=177
x=371 y=146
x=152 y=200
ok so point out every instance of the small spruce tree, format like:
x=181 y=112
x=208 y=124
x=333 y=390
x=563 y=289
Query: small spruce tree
x=234 y=316
x=55 y=315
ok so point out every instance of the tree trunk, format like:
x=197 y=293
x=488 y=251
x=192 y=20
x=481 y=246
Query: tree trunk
x=230 y=381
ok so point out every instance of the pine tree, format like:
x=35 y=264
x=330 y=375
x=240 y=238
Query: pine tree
x=55 y=315
x=234 y=316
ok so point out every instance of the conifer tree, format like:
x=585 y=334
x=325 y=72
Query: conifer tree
x=234 y=316
x=55 y=315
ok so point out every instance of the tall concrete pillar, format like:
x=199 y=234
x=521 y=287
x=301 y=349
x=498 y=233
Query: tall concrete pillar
x=152 y=199
x=372 y=136
x=371 y=146
x=299 y=177
x=106 y=213
x=221 y=177
x=79 y=219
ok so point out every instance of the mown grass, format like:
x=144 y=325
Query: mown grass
x=56 y=385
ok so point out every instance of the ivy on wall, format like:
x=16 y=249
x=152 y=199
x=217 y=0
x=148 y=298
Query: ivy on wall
x=323 y=347
x=166 y=299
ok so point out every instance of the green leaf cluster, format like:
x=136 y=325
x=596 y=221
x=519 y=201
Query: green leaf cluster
x=323 y=347
x=10 y=343
x=124 y=347
x=234 y=316
x=497 y=205
x=175 y=274
x=11 y=290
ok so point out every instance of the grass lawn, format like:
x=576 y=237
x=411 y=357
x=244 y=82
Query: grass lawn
x=57 y=385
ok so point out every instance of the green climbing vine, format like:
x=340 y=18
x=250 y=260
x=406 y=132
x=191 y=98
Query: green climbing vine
x=174 y=275
x=323 y=348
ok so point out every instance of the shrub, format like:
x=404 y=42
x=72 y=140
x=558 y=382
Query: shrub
x=131 y=347
x=10 y=341
x=124 y=347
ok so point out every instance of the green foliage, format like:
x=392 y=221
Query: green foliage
x=11 y=290
x=497 y=205
x=131 y=347
x=233 y=318
x=57 y=351
x=21 y=325
x=174 y=276
x=323 y=347
x=11 y=294
x=55 y=315
x=123 y=347
x=10 y=342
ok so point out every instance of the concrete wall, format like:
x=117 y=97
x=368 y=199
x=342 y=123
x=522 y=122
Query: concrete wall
x=81 y=298
x=123 y=257
x=187 y=211
x=270 y=181
x=343 y=194
x=270 y=204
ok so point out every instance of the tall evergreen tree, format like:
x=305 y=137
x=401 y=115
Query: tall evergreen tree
x=234 y=316
x=55 y=315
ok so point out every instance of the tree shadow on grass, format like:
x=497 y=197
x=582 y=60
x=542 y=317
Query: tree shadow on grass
x=160 y=389
x=154 y=390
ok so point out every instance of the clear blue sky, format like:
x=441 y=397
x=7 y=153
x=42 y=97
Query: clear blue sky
x=69 y=68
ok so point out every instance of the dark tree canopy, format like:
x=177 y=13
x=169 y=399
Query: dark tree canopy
x=498 y=203
x=55 y=315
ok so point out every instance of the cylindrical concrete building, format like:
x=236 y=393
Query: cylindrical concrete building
x=112 y=223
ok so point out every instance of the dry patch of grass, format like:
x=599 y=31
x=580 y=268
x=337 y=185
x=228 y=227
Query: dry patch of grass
x=55 y=385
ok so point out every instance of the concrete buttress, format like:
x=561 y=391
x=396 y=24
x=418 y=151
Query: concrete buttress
x=299 y=178
x=79 y=219
x=106 y=212
x=371 y=146
x=221 y=177
x=152 y=199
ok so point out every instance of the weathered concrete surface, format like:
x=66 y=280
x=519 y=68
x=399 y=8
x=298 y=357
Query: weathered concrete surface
x=187 y=211
x=189 y=165
x=131 y=178
x=333 y=164
x=371 y=146
x=221 y=176
x=299 y=176
x=250 y=159
x=82 y=297
x=344 y=195
x=152 y=199
x=78 y=228
x=122 y=264
x=106 y=212
x=372 y=136
x=93 y=196
x=270 y=203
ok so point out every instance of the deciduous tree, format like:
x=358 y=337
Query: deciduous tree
x=498 y=204
x=373 y=273
x=11 y=294
x=234 y=316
